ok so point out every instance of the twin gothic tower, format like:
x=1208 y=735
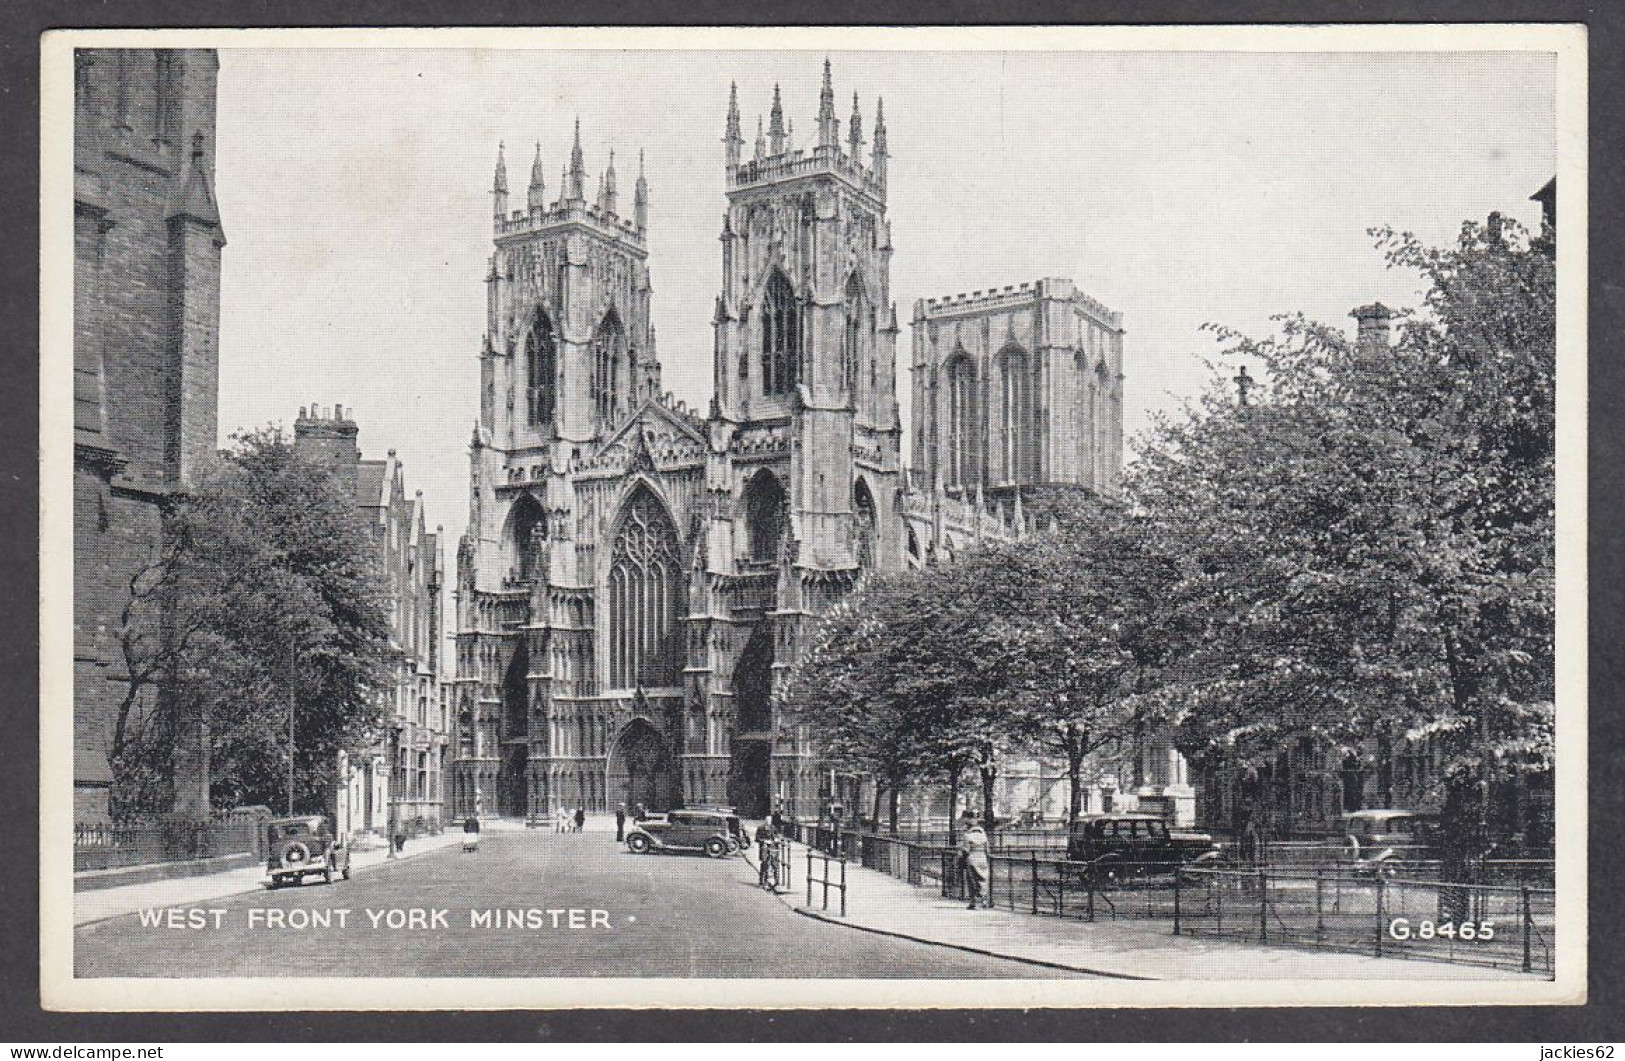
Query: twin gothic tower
x=636 y=575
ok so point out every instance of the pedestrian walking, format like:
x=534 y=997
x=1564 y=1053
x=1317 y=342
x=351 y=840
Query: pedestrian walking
x=973 y=862
x=620 y=823
x=471 y=834
x=777 y=819
x=561 y=820
x=581 y=817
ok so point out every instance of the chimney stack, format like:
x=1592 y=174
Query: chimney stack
x=1372 y=337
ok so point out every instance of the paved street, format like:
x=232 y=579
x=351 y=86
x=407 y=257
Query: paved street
x=662 y=915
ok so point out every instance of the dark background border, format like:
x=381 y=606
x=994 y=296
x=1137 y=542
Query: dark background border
x=21 y=1018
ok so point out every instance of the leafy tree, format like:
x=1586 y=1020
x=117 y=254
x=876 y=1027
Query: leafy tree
x=839 y=688
x=1082 y=629
x=900 y=683
x=265 y=590
x=1367 y=550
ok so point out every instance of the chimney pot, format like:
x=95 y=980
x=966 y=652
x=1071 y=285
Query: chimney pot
x=1373 y=319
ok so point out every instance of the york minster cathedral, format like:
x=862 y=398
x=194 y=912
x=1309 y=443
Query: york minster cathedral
x=637 y=574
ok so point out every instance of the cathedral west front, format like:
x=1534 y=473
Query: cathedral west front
x=638 y=574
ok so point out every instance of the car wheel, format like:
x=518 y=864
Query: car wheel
x=638 y=845
x=716 y=847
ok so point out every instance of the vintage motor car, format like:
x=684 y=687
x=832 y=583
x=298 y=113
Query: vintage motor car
x=302 y=847
x=739 y=837
x=1382 y=843
x=1114 y=847
x=687 y=830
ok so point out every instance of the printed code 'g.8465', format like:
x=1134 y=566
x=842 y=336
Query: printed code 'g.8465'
x=1403 y=928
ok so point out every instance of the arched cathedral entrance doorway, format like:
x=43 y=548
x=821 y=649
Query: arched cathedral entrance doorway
x=640 y=769
x=750 y=768
x=515 y=737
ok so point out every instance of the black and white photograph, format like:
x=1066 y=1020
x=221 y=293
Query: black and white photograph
x=1050 y=517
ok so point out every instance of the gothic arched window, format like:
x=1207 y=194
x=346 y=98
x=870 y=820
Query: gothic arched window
x=962 y=421
x=865 y=527
x=541 y=360
x=764 y=515
x=781 y=337
x=528 y=527
x=855 y=341
x=608 y=357
x=644 y=574
x=1014 y=415
x=1100 y=413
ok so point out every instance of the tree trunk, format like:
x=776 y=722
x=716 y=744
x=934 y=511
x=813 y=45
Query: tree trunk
x=1074 y=778
x=874 y=816
x=891 y=811
x=990 y=774
x=953 y=805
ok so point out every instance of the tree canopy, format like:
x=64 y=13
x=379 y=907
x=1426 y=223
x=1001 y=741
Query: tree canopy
x=1367 y=545
x=266 y=586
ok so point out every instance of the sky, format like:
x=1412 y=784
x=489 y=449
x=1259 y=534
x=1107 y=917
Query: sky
x=1178 y=188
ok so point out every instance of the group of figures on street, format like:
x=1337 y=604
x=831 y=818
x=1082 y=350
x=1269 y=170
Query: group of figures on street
x=566 y=821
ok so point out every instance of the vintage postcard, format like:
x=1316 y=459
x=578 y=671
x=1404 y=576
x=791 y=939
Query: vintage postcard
x=1036 y=517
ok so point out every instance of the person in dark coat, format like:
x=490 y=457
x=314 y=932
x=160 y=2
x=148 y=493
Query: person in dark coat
x=638 y=813
x=778 y=820
x=471 y=834
x=581 y=817
x=620 y=823
x=767 y=856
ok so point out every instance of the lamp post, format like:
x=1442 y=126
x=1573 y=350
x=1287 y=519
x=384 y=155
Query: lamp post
x=293 y=677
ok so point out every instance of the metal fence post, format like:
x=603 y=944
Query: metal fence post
x=1089 y=890
x=809 y=878
x=1382 y=894
x=1176 y=900
x=843 y=887
x=1035 y=881
x=1528 y=924
x=1263 y=908
x=1320 y=906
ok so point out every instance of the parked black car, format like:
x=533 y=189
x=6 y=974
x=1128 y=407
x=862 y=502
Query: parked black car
x=685 y=830
x=1386 y=843
x=1113 y=847
x=301 y=847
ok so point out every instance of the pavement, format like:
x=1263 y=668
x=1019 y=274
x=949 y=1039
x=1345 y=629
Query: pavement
x=879 y=904
x=102 y=903
x=529 y=903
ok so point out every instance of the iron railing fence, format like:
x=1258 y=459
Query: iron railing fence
x=1414 y=863
x=825 y=881
x=1316 y=906
x=98 y=845
x=1472 y=924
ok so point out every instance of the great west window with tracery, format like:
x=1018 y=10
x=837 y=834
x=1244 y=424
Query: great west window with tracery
x=643 y=587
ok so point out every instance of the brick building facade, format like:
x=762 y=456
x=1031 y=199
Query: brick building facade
x=400 y=780
x=147 y=249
